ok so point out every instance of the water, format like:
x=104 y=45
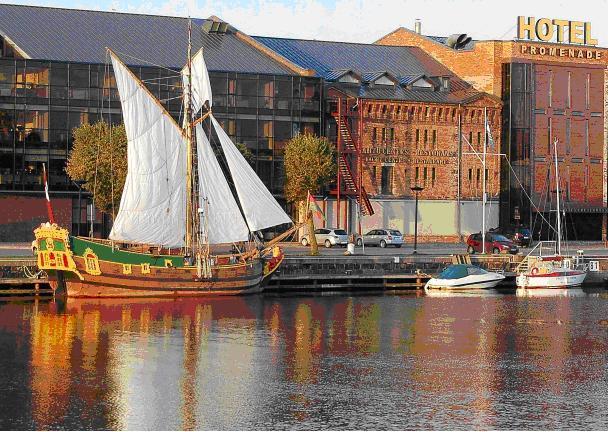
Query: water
x=488 y=361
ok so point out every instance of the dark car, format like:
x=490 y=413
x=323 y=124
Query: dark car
x=495 y=243
x=517 y=234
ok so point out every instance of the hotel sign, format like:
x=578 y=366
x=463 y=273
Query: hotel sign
x=564 y=31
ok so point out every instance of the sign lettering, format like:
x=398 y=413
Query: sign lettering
x=544 y=29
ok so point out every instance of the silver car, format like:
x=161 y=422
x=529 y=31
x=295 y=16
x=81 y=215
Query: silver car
x=328 y=237
x=381 y=237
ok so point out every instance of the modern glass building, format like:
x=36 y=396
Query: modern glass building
x=52 y=82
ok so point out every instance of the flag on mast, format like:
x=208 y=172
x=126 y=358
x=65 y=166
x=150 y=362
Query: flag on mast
x=49 y=208
x=489 y=133
x=314 y=207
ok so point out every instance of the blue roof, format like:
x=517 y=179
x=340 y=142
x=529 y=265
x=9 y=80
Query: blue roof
x=327 y=57
x=73 y=35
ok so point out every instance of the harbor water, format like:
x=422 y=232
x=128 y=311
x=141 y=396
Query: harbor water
x=514 y=360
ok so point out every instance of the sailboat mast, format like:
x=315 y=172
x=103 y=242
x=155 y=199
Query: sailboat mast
x=559 y=225
x=191 y=199
x=483 y=193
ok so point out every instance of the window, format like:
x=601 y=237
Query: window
x=374 y=173
x=550 y=88
x=374 y=135
x=470 y=175
x=424 y=174
x=383 y=134
x=434 y=139
x=478 y=176
x=471 y=138
x=426 y=137
x=587 y=84
x=387 y=180
x=569 y=97
x=417 y=137
x=586 y=137
x=478 y=139
x=549 y=133
x=417 y=174
x=392 y=134
x=433 y=176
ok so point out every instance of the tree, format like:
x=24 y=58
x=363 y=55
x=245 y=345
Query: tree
x=309 y=165
x=99 y=158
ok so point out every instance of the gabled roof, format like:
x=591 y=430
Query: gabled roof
x=372 y=77
x=335 y=75
x=81 y=36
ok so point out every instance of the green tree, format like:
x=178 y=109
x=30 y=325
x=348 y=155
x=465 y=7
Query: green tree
x=309 y=165
x=99 y=159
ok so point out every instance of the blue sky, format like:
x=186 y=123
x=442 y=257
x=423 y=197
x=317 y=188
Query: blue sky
x=362 y=21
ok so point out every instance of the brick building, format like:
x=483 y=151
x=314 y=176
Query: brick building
x=402 y=119
x=549 y=90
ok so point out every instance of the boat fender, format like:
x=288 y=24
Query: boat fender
x=534 y=271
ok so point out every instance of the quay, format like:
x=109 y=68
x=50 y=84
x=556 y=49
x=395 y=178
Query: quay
x=328 y=273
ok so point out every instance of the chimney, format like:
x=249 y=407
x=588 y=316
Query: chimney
x=418 y=26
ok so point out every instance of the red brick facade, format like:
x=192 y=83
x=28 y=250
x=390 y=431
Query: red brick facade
x=568 y=103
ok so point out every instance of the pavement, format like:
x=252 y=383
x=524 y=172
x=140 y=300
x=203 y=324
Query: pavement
x=296 y=249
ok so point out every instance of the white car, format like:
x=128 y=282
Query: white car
x=328 y=237
x=381 y=237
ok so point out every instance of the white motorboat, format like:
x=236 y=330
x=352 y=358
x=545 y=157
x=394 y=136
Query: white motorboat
x=464 y=277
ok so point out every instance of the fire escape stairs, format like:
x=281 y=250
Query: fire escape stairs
x=346 y=170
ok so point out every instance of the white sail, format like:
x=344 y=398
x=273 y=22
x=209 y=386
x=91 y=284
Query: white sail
x=153 y=205
x=201 y=86
x=223 y=222
x=259 y=206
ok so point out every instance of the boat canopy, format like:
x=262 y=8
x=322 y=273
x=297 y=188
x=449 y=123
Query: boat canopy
x=458 y=271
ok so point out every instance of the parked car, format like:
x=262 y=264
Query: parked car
x=381 y=237
x=517 y=234
x=495 y=243
x=328 y=237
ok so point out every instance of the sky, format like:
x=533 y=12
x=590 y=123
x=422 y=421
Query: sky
x=359 y=20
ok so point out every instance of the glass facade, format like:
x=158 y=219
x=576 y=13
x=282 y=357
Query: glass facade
x=41 y=102
x=517 y=94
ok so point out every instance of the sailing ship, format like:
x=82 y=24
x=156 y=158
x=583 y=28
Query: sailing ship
x=176 y=204
x=551 y=271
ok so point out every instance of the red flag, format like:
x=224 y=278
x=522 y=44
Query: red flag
x=314 y=207
x=49 y=208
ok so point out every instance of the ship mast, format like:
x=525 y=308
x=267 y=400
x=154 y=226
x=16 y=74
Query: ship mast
x=192 y=219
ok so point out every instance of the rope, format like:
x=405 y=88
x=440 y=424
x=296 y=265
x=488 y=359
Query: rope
x=30 y=274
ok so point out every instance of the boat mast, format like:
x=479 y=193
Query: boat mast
x=483 y=193
x=559 y=225
x=192 y=220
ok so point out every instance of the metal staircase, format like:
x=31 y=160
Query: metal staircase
x=349 y=154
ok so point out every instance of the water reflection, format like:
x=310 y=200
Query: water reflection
x=481 y=361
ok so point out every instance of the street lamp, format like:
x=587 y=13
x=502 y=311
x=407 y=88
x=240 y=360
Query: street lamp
x=416 y=189
x=79 y=184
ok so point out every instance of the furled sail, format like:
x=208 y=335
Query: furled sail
x=201 y=86
x=153 y=205
x=224 y=222
x=259 y=206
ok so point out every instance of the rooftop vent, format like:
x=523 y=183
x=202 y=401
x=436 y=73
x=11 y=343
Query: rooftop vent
x=458 y=41
x=217 y=27
x=418 y=26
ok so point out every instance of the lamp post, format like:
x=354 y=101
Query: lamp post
x=416 y=189
x=79 y=184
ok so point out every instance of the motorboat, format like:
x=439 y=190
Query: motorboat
x=464 y=277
